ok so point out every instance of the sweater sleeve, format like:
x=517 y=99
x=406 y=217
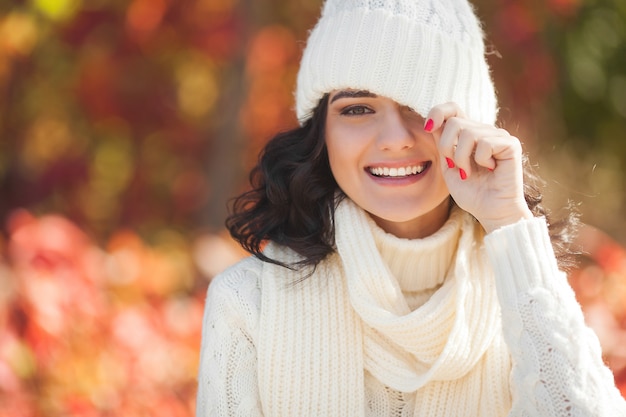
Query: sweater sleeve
x=557 y=360
x=227 y=378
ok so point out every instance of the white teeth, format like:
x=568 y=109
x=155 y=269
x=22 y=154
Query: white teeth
x=397 y=172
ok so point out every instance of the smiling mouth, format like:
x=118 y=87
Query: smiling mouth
x=387 y=172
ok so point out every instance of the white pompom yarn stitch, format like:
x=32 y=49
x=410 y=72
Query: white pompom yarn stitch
x=418 y=52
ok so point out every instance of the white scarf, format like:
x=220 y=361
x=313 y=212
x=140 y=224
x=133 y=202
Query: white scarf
x=317 y=337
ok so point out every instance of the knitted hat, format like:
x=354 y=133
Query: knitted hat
x=419 y=53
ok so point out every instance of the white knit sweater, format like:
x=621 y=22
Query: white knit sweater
x=396 y=327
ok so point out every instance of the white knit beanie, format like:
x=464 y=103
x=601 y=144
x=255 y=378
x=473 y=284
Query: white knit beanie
x=419 y=53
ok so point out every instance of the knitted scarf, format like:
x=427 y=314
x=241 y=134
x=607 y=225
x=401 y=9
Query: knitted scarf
x=318 y=337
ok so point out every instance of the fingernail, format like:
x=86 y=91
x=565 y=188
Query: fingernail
x=491 y=169
x=450 y=162
x=463 y=174
x=429 y=125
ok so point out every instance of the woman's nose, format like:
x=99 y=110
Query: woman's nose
x=396 y=130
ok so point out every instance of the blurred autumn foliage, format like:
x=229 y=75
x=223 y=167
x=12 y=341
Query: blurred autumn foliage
x=125 y=126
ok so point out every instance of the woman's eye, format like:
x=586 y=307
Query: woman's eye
x=356 y=111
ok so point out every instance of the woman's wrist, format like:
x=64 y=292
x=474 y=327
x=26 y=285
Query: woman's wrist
x=495 y=224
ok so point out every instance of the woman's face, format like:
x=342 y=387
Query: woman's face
x=382 y=159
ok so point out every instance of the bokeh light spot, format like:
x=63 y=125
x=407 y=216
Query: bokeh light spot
x=58 y=10
x=588 y=79
x=18 y=33
x=144 y=16
x=270 y=50
x=48 y=140
x=197 y=87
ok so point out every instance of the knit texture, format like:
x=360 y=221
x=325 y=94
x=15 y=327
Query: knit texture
x=356 y=318
x=542 y=314
x=418 y=52
x=557 y=367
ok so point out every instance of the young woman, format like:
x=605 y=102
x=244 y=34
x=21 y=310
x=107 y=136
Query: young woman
x=402 y=265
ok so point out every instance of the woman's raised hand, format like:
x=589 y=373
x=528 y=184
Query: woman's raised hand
x=482 y=166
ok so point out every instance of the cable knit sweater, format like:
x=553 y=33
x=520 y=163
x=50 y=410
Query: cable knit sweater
x=454 y=324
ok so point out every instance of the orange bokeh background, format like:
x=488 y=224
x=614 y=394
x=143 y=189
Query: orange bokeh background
x=125 y=127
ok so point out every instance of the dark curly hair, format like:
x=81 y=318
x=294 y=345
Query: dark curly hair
x=294 y=196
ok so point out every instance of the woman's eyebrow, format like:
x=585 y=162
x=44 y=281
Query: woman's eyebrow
x=352 y=94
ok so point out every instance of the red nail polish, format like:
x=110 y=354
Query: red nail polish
x=450 y=162
x=463 y=174
x=429 y=125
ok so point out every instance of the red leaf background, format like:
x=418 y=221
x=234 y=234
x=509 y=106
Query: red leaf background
x=126 y=126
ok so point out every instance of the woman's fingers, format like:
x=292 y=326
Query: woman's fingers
x=490 y=150
x=465 y=143
x=484 y=153
x=472 y=145
x=464 y=150
x=440 y=113
x=468 y=149
x=484 y=147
